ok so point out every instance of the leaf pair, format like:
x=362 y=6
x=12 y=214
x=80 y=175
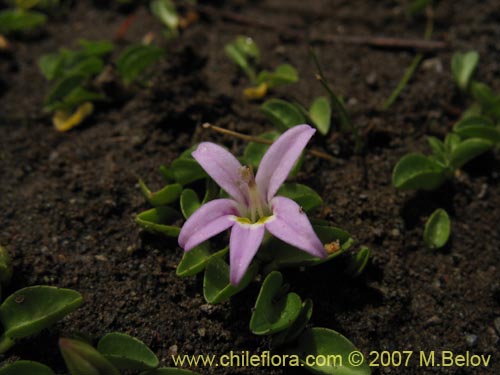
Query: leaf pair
x=245 y=54
x=417 y=171
x=285 y=115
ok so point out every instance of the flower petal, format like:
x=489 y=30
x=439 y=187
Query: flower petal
x=291 y=225
x=280 y=158
x=244 y=243
x=207 y=221
x=223 y=167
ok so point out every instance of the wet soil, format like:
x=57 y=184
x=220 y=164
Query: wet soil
x=68 y=201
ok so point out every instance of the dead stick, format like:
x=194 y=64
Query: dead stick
x=250 y=138
x=374 y=41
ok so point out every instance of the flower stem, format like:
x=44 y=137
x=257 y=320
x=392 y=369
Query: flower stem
x=250 y=138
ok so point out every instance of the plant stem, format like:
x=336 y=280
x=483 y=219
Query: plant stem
x=250 y=138
x=345 y=120
x=410 y=71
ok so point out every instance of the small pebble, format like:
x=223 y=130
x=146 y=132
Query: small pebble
x=471 y=340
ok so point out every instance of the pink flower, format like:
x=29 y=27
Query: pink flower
x=254 y=207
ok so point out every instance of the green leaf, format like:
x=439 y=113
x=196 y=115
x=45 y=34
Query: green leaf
x=321 y=114
x=303 y=195
x=135 y=59
x=463 y=66
x=18 y=20
x=88 y=67
x=335 y=348
x=283 y=75
x=468 y=150
x=359 y=261
x=216 y=285
x=157 y=220
x=5 y=266
x=489 y=102
x=29 y=310
x=283 y=255
x=282 y=114
x=477 y=127
x=166 y=195
x=166 y=12
x=63 y=88
x=247 y=46
x=437 y=146
x=26 y=368
x=96 y=47
x=50 y=65
x=196 y=259
x=186 y=170
x=416 y=171
x=83 y=359
x=274 y=310
x=189 y=202
x=451 y=141
x=292 y=332
x=126 y=352
x=437 y=229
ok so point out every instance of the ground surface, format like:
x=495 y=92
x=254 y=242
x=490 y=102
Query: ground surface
x=68 y=201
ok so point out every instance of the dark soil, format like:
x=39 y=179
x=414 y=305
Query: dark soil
x=68 y=201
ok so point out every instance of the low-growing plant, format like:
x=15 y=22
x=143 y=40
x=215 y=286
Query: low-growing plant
x=245 y=53
x=437 y=229
x=270 y=230
x=115 y=352
x=76 y=75
x=22 y=15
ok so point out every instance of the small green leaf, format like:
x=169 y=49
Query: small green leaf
x=303 y=195
x=194 y=260
x=451 y=141
x=335 y=348
x=189 y=202
x=186 y=170
x=216 y=285
x=282 y=114
x=83 y=359
x=274 y=311
x=292 y=332
x=96 y=47
x=156 y=220
x=63 y=88
x=283 y=255
x=31 y=309
x=135 y=59
x=18 y=20
x=359 y=261
x=247 y=47
x=321 y=114
x=5 y=267
x=437 y=229
x=463 y=66
x=477 y=127
x=166 y=12
x=489 y=102
x=468 y=150
x=283 y=75
x=416 y=171
x=166 y=195
x=126 y=352
x=50 y=65
x=88 y=67
x=26 y=368
x=436 y=145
